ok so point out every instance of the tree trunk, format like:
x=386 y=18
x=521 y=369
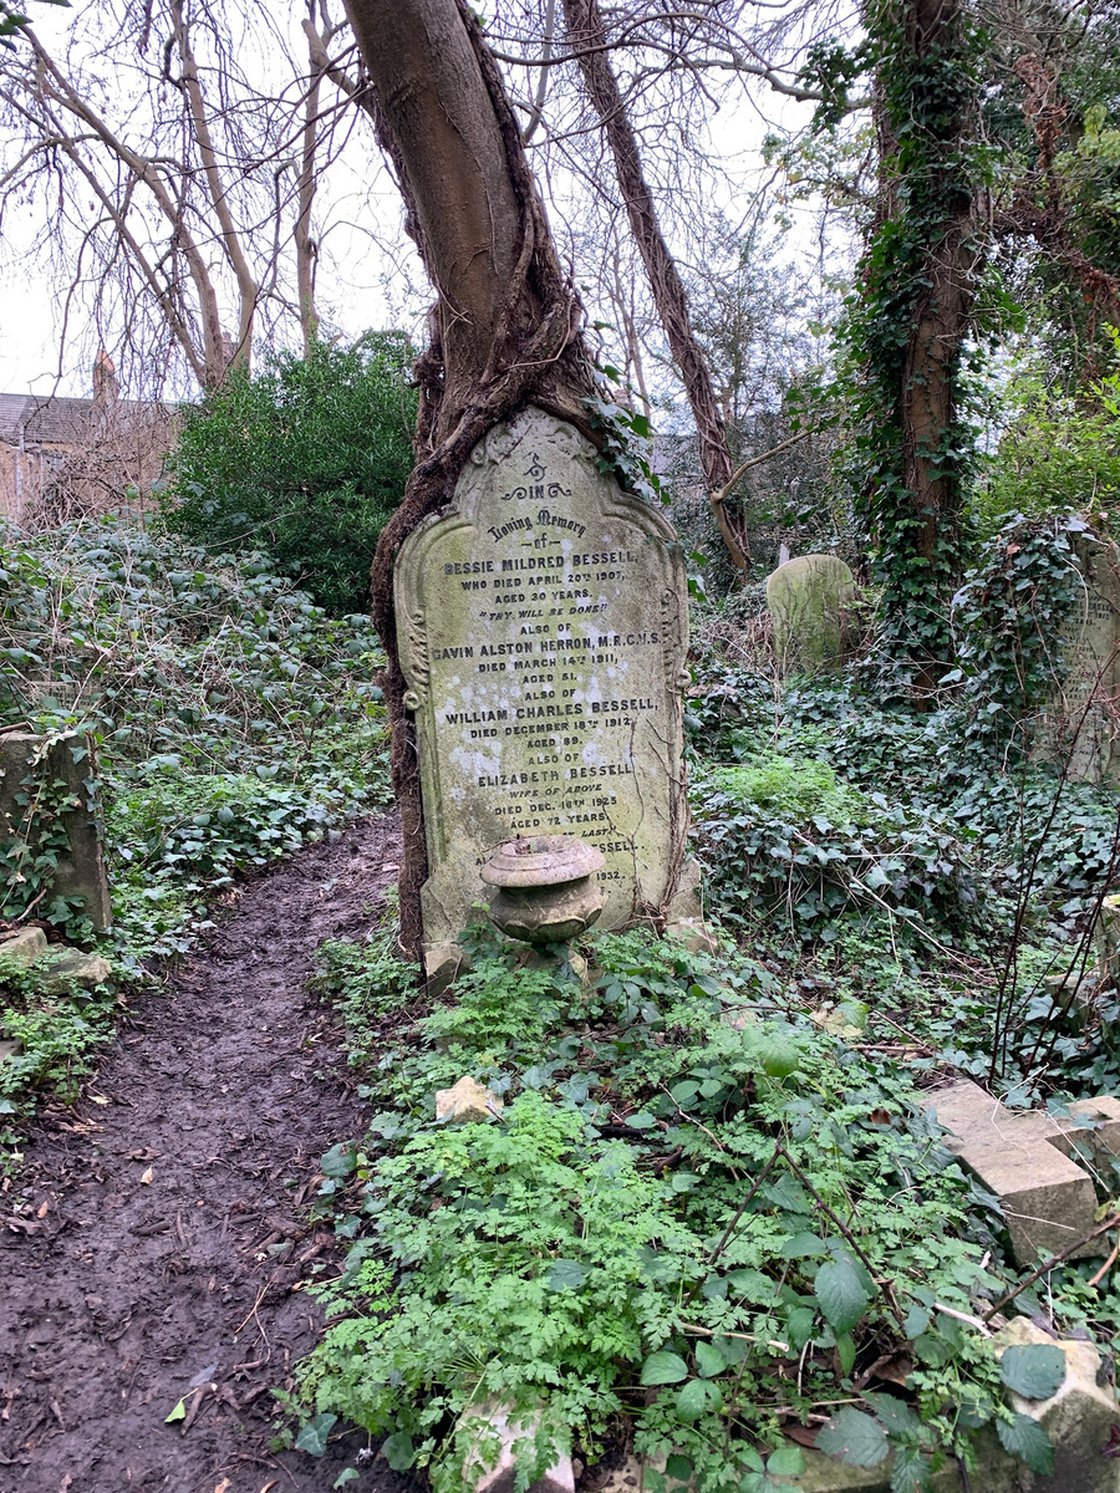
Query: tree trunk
x=506 y=325
x=588 y=39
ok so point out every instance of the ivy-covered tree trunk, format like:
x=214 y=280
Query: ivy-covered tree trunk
x=506 y=327
x=910 y=329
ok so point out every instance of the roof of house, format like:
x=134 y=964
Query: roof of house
x=42 y=420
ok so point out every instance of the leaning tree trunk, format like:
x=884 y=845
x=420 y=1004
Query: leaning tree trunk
x=505 y=330
x=588 y=39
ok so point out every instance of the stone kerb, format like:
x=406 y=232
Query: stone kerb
x=543 y=627
x=808 y=598
x=39 y=767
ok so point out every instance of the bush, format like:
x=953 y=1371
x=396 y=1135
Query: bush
x=306 y=460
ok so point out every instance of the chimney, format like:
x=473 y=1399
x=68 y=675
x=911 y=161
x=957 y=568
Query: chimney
x=106 y=390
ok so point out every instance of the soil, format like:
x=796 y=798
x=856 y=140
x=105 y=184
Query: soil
x=155 y=1248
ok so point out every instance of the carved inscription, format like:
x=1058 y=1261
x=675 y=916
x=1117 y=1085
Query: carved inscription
x=546 y=674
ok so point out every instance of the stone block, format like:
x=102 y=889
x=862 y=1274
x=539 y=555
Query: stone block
x=66 y=761
x=495 y=1425
x=1048 y=1200
x=807 y=599
x=1080 y=1419
x=24 y=947
x=467 y=1100
x=65 y=967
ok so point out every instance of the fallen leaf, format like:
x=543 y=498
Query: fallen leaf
x=179 y=1413
x=146 y=1176
x=43 y=1209
x=224 y=1486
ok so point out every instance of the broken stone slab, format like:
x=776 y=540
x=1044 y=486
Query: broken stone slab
x=25 y=947
x=695 y=934
x=1048 y=1199
x=467 y=1100
x=443 y=964
x=64 y=967
x=496 y=1424
x=1081 y=1418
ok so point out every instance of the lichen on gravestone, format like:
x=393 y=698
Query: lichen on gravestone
x=543 y=628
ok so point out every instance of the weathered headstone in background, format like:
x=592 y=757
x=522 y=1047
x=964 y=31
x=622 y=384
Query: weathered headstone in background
x=808 y=599
x=47 y=813
x=1081 y=723
x=542 y=623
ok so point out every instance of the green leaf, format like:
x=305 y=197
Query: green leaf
x=664 y=1368
x=695 y=1397
x=339 y=1161
x=779 y=1056
x=347 y=1475
x=313 y=1435
x=909 y=1470
x=853 y=1437
x=787 y=1461
x=179 y=1413
x=1025 y=1438
x=678 y=1467
x=841 y=1293
x=709 y=1360
x=846 y=1352
x=398 y=1451
x=566 y=1275
x=1034 y=1370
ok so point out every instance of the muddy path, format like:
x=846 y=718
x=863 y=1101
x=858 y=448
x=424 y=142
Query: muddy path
x=155 y=1248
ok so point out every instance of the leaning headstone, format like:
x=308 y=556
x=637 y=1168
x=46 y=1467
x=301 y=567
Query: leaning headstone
x=542 y=622
x=48 y=813
x=1079 y=727
x=808 y=599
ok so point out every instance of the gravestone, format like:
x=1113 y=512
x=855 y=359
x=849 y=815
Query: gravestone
x=808 y=598
x=47 y=795
x=542 y=621
x=1081 y=722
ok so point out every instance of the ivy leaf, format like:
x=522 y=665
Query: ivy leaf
x=854 y=1438
x=1025 y=1438
x=398 y=1451
x=1034 y=1371
x=664 y=1368
x=841 y=1293
x=313 y=1434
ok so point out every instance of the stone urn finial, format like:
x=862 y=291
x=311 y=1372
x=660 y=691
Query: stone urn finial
x=545 y=888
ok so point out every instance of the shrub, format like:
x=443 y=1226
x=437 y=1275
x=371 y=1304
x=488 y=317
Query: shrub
x=306 y=460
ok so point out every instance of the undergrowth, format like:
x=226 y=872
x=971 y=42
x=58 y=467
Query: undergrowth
x=701 y=1226
x=232 y=722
